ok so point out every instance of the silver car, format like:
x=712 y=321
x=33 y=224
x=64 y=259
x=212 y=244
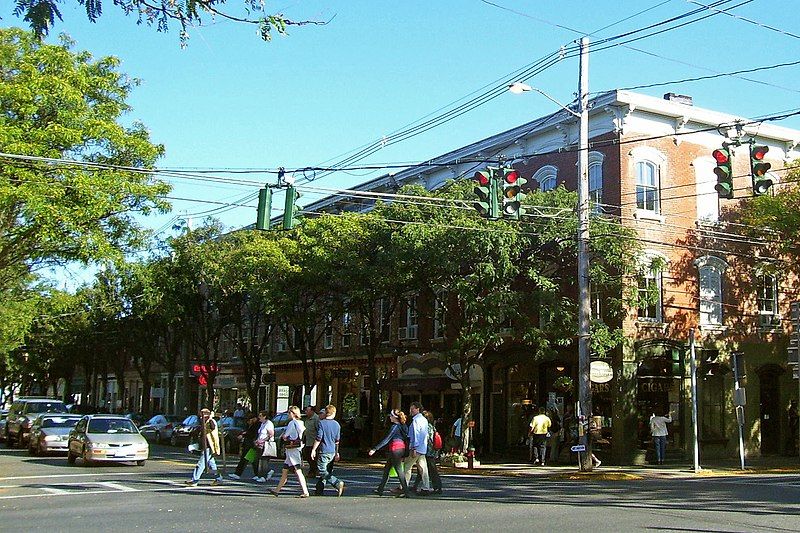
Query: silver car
x=50 y=433
x=159 y=428
x=107 y=438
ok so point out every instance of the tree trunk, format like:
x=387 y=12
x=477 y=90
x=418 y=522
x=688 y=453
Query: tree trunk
x=170 y=404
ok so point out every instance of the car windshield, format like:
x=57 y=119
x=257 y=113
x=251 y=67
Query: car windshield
x=190 y=420
x=59 y=422
x=111 y=425
x=46 y=407
x=158 y=419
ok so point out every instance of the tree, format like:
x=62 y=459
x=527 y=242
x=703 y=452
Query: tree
x=41 y=15
x=56 y=104
x=491 y=276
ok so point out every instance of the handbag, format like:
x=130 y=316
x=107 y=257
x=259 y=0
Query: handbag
x=270 y=449
x=251 y=455
x=293 y=443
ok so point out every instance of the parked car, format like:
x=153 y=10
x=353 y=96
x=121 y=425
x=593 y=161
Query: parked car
x=136 y=418
x=159 y=428
x=107 y=438
x=186 y=432
x=22 y=414
x=3 y=417
x=50 y=433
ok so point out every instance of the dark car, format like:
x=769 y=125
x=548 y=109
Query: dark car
x=3 y=417
x=137 y=418
x=22 y=414
x=186 y=432
x=230 y=429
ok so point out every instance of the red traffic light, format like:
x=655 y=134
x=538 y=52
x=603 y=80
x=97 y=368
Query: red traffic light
x=758 y=152
x=511 y=177
x=482 y=178
x=721 y=156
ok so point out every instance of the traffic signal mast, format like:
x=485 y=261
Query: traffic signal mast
x=291 y=211
x=486 y=190
x=724 y=171
x=512 y=193
x=264 y=208
x=758 y=170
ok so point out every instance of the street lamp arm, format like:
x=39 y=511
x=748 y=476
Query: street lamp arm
x=519 y=87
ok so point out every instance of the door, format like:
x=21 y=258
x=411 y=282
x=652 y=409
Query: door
x=769 y=412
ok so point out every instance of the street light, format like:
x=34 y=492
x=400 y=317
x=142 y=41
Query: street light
x=584 y=307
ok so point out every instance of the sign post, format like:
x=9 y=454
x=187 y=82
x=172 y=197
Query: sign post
x=739 y=401
x=693 y=370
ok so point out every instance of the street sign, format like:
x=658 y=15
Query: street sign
x=579 y=448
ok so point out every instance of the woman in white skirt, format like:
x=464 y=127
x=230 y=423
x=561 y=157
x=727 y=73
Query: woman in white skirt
x=293 y=443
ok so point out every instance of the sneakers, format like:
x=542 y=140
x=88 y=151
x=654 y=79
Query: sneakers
x=340 y=488
x=379 y=492
x=191 y=482
x=259 y=479
x=217 y=481
x=269 y=476
x=273 y=492
x=598 y=463
x=233 y=476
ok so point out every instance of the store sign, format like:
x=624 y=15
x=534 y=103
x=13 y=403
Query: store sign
x=649 y=385
x=600 y=372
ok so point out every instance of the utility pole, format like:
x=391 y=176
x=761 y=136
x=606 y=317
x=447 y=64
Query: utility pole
x=584 y=304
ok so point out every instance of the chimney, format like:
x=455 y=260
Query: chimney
x=684 y=99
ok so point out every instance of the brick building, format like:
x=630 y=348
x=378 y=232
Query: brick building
x=651 y=166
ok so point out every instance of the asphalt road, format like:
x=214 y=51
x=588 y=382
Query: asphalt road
x=45 y=493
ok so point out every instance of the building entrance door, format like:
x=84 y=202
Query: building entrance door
x=769 y=411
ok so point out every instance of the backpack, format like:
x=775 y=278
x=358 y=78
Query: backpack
x=437 y=441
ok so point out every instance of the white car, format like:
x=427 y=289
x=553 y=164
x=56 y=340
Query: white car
x=107 y=438
x=50 y=433
x=159 y=428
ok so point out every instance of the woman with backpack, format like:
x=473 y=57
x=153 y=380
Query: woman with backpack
x=396 y=440
x=432 y=455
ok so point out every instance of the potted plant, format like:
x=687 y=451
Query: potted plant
x=563 y=384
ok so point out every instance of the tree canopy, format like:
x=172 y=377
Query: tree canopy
x=41 y=15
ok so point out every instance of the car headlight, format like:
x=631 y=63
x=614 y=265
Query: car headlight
x=51 y=438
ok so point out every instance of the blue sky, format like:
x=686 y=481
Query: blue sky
x=229 y=100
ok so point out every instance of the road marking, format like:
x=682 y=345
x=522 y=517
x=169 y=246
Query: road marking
x=49 y=490
x=54 y=476
x=116 y=486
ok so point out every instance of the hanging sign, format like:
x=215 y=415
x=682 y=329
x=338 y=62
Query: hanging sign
x=600 y=372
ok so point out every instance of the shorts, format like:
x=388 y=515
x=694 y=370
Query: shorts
x=293 y=457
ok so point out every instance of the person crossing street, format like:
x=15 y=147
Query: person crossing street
x=326 y=451
x=209 y=448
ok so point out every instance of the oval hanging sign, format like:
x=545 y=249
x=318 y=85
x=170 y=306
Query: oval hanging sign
x=600 y=372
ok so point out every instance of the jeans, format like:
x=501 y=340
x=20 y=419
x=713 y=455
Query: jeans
x=200 y=467
x=395 y=460
x=422 y=466
x=325 y=475
x=660 y=444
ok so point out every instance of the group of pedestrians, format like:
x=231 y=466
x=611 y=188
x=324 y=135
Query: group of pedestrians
x=316 y=439
x=409 y=446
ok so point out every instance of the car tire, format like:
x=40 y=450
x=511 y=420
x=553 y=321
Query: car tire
x=158 y=437
x=140 y=463
x=71 y=457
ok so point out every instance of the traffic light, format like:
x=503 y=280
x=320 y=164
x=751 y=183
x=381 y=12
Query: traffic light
x=512 y=193
x=291 y=211
x=486 y=189
x=758 y=170
x=724 y=172
x=264 y=208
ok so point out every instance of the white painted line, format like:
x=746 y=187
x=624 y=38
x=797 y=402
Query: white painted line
x=49 y=491
x=56 y=476
x=117 y=486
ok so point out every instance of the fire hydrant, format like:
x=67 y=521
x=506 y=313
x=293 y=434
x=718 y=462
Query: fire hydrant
x=471 y=458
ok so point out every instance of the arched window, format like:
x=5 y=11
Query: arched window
x=767 y=296
x=547 y=177
x=650 y=287
x=648 y=167
x=710 y=270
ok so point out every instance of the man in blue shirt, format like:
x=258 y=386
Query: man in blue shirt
x=418 y=447
x=327 y=443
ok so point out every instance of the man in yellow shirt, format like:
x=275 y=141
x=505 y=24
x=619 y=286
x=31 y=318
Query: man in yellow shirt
x=540 y=426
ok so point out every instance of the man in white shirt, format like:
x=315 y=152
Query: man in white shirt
x=658 y=430
x=418 y=447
